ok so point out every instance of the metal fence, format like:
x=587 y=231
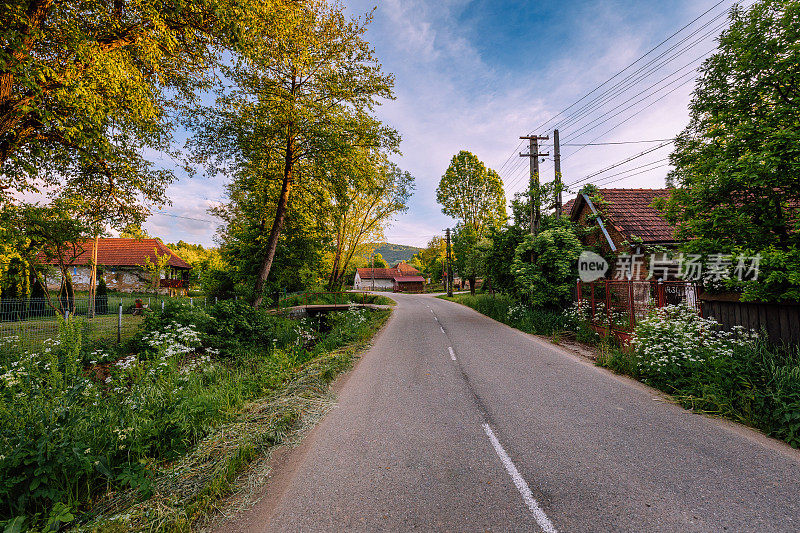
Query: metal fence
x=614 y=306
x=29 y=322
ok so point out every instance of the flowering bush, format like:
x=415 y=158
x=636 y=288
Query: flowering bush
x=673 y=339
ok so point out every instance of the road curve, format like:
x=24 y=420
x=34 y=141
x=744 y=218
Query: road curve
x=454 y=422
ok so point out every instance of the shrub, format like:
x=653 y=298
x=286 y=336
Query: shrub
x=77 y=421
x=731 y=373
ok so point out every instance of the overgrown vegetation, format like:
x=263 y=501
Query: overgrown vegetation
x=78 y=421
x=733 y=374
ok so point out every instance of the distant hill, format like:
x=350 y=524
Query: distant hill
x=394 y=253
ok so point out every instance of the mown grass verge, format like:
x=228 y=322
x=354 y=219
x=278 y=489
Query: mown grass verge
x=149 y=437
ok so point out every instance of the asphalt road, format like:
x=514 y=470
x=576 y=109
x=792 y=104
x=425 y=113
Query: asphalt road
x=509 y=433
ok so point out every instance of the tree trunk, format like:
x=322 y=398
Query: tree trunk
x=472 y=286
x=93 y=278
x=277 y=225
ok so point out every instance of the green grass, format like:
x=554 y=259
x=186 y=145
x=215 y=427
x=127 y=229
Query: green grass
x=157 y=443
x=507 y=310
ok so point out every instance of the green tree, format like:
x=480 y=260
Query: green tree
x=378 y=262
x=87 y=86
x=432 y=258
x=373 y=192
x=472 y=194
x=545 y=266
x=470 y=254
x=302 y=96
x=737 y=162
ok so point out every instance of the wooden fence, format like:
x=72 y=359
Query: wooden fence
x=614 y=307
x=781 y=322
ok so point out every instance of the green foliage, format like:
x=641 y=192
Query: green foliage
x=497 y=262
x=506 y=309
x=737 y=162
x=472 y=194
x=86 y=87
x=545 y=267
x=76 y=422
x=470 y=254
x=299 y=105
x=732 y=374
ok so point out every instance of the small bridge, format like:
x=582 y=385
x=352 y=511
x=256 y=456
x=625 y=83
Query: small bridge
x=315 y=303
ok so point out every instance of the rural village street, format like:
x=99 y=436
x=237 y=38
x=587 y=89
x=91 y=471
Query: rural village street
x=454 y=422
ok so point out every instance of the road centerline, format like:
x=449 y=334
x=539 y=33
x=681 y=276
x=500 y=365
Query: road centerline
x=522 y=486
x=452 y=353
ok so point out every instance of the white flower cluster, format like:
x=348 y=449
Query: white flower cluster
x=676 y=335
x=305 y=333
x=174 y=340
x=356 y=315
x=516 y=312
x=9 y=341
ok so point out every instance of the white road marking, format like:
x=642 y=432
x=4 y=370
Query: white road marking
x=441 y=328
x=452 y=353
x=541 y=518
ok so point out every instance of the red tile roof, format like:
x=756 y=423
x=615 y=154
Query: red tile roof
x=126 y=252
x=377 y=273
x=406 y=269
x=409 y=279
x=402 y=272
x=567 y=207
x=631 y=213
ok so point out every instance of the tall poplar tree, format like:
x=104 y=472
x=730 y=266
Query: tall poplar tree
x=306 y=94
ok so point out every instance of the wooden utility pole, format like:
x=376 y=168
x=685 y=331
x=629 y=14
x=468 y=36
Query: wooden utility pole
x=534 y=155
x=557 y=164
x=449 y=267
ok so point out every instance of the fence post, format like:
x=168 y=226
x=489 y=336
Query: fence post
x=119 y=324
x=631 y=304
x=578 y=291
x=660 y=292
x=608 y=306
x=191 y=302
x=216 y=300
x=162 y=304
x=594 y=303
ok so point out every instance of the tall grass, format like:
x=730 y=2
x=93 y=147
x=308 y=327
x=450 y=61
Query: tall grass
x=507 y=310
x=77 y=421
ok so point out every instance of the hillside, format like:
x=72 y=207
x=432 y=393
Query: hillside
x=394 y=253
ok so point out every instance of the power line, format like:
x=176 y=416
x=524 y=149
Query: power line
x=620 y=163
x=541 y=126
x=618 y=142
x=631 y=79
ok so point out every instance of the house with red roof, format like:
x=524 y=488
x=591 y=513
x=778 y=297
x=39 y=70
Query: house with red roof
x=401 y=278
x=123 y=262
x=624 y=220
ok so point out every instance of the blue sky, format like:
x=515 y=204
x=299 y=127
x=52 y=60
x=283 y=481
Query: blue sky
x=475 y=75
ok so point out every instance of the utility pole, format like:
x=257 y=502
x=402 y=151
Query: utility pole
x=449 y=267
x=534 y=155
x=557 y=164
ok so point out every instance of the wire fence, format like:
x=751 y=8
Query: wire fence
x=30 y=322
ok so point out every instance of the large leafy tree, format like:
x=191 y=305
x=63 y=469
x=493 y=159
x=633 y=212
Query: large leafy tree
x=371 y=194
x=737 y=164
x=304 y=96
x=88 y=86
x=472 y=194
